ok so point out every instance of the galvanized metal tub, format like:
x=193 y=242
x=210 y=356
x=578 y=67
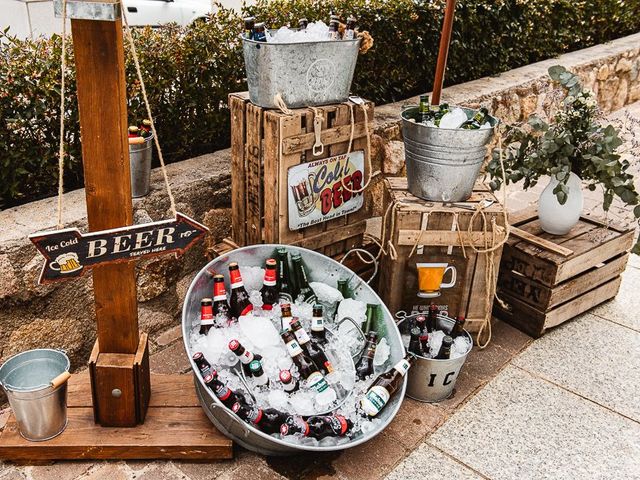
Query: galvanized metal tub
x=443 y=163
x=320 y=268
x=304 y=74
x=140 y=156
x=40 y=408
x=432 y=380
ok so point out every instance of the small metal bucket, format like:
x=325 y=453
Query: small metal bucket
x=140 y=155
x=432 y=380
x=305 y=74
x=443 y=163
x=36 y=385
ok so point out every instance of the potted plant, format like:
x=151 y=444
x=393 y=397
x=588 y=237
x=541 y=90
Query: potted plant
x=575 y=149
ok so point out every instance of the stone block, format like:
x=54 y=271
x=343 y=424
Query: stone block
x=9 y=284
x=218 y=220
x=394 y=158
x=620 y=97
x=623 y=65
x=528 y=105
x=154 y=276
x=634 y=94
x=603 y=72
x=152 y=320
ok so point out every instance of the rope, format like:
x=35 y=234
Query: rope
x=63 y=69
x=368 y=136
x=279 y=101
x=134 y=54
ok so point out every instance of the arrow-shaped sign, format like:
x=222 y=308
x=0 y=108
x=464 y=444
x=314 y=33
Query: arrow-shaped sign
x=70 y=253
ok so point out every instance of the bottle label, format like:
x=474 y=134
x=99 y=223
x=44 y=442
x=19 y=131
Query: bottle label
x=338 y=424
x=236 y=278
x=219 y=292
x=317 y=381
x=328 y=366
x=246 y=310
x=301 y=336
x=246 y=357
x=223 y=392
x=294 y=348
x=269 y=277
x=220 y=298
x=317 y=324
x=262 y=379
x=206 y=315
x=375 y=400
x=402 y=367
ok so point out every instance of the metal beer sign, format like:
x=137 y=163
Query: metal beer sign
x=69 y=253
x=317 y=190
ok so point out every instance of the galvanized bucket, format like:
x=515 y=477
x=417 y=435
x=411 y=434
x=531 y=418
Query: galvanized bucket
x=36 y=385
x=443 y=163
x=321 y=269
x=305 y=74
x=432 y=380
x=140 y=156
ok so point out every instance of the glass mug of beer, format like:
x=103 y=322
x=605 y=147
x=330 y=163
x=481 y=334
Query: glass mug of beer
x=66 y=263
x=430 y=277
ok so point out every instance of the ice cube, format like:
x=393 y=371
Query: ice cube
x=284 y=362
x=302 y=310
x=326 y=293
x=252 y=277
x=435 y=341
x=278 y=399
x=302 y=402
x=352 y=308
x=326 y=397
x=461 y=345
x=259 y=330
x=453 y=119
x=255 y=297
x=383 y=350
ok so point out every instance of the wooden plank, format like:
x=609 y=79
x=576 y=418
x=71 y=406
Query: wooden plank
x=272 y=182
x=540 y=242
x=333 y=236
x=291 y=125
x=253 y=155
x=329 y=136
x=534 y=228
x=237 y=105
x=441 y=238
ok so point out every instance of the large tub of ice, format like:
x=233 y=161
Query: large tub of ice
x=258 y=333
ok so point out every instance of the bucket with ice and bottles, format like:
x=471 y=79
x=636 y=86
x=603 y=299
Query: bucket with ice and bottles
x=320 y=269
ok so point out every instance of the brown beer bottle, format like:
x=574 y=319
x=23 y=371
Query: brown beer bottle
x=227 y=396
x=318 y=333
x=432 y=318
x=313 y=350
x=269 y=291
x=221 y=309
x=245 y=356
x=458 y=327
x=240 y=304
x=424 y=343
x=287 y=318
x=288 y=383
x=445 y=349
x=317 y=426
x=364 y=367
x=385 y=386
x=206 y=315
x=268 y=420
x=203 y=365
x=414 y=344
x=307 y=369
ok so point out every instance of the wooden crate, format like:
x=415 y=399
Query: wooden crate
x=264 y=145
x=547 y=279
x=432 y=225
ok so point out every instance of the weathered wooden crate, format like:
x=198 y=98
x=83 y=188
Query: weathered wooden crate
x=433 y=226
x=264 y=145
x=547 y=279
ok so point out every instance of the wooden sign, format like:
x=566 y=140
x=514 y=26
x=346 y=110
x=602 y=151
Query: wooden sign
x=70 y=253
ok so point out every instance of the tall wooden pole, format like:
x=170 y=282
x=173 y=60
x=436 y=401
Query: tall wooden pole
x=119 y=362
x=443 y=52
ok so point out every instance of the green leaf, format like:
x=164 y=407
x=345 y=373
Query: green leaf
x=562 y=197
x=555 y=72
x=636 y=211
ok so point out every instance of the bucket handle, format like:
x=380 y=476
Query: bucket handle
x=360 y=333
x=60 y=379
x=401 y=316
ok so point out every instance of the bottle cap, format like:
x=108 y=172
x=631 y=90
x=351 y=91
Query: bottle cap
x=206 y=301
x=255 y=365
x=233 y=265
x=197 y=356
x=236 y=406
x=218 y=278
x=208 y=378
x=271 y=262
x=234 y=345
x=447 y=340
x=421 y=318
x=285 y=376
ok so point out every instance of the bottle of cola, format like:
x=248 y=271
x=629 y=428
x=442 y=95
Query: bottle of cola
x=203 y=365
x=206 y=315
x=245 y=356
x=227 y=396
x=284 y=277
x=364 y=367
x=221 y=309
x=240 y=303
x=268 y=420
x=317 y=426
x=385 y=386
x=313 y=350
x=318 y=333
x=289 y=384
x=302 y=281
x=269 y=291
x=445 y=349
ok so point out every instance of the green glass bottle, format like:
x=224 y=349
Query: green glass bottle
x=301 y=280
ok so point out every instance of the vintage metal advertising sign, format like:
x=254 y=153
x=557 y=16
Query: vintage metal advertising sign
x=317 y=190
x=69 y=253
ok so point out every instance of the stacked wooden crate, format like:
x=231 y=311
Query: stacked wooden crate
x=265 y=144
x=547 y=279
x=432 y=232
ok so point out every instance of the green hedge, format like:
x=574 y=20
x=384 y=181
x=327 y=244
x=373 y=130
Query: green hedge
x=190 y=71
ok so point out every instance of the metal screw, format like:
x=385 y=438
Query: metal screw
x=116 y=393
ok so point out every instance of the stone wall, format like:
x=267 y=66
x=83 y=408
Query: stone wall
x=62 y=315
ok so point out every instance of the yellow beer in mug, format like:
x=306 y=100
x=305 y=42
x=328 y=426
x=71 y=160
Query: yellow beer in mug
x=430 y=277
x=66 y=263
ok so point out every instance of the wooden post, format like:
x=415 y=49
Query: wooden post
x=443 y=52
x=119 y=364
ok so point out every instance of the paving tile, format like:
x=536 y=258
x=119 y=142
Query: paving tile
x=108 y=470
x=162 y=471
x=250 y=466
x=206 y=471
x=521 y=426
x=625 y=307
x=415 y=421
x=168 y=337
x=312 y=465
x=371 y=460
x=593 y=357
x=172 y=359
x=9 y=472
x=428 y=462
x=59 y=471
x=508 y=338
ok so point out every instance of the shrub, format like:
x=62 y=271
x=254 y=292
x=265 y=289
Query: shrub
x=190 y=71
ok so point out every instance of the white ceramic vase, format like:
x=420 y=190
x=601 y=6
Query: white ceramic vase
x=559 y=219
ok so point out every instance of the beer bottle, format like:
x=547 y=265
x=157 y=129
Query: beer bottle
x=421 y=323
x=134 y=131
x=424 y=343
x=289 y=384
x=221 y=308
x=259 y=32
x=350 y=31
x=414 y=344
x=303 y=23
x=477 y=120
x=227 y=396
x=306 y=367
x=269 y=289
x=321 y=426
x=284 y=278
x=313 y=350
x=240 y=303
x=377 y=321
x=367 y=325
x=424 y=113
x=302 y=282
x=203 y=365
x=432 y=318
x=287 y=318
x=333 y=30
x=257 y=372
x=318 y=334
x=206 y=315
x=294 y=424
x=245 y=356
x=458 y=327
x=385 y=386
x=445 y=349
x=145 y=128
x=364 y=367
x=343 y=288
x=249 y=24
x=267 y=420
